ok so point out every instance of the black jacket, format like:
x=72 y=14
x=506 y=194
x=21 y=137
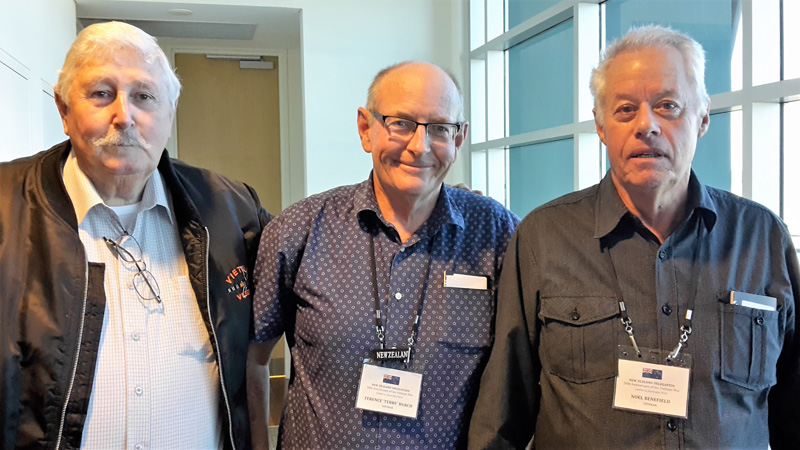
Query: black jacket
x=53 y=301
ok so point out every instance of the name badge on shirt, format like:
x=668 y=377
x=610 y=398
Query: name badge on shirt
x=646 y=385
x=389 y=391
x=460 y=280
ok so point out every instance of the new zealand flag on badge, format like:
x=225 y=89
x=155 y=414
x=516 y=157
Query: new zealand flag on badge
x=391 y=379
x=650 y=373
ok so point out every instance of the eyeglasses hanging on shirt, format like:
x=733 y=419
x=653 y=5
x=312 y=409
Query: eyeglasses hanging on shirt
x=144 y=282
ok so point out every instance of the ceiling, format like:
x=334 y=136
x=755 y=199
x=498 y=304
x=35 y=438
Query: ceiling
x=251 y=26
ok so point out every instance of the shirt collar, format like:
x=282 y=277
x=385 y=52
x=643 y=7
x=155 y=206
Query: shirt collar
x=369 y=214
x=84 y=196
x=609 y=209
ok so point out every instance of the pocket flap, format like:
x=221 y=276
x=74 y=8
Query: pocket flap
x=578 y=310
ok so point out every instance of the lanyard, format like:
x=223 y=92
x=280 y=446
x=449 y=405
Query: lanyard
x=686 y=323
x=379 y=326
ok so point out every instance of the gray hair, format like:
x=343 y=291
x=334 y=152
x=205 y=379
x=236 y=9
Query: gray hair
x=106 y=38
x=372 y=92
x=653 y=36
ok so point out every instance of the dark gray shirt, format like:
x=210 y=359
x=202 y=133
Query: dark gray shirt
x=314 y=281
x=551 y=371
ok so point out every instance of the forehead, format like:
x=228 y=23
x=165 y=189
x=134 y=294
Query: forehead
x=420 y=92
x=650 y=70
x=122 y=66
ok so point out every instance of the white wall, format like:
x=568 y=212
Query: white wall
x=34 y=38
x=343 y=43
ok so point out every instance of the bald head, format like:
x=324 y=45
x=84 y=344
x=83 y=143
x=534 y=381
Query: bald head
x=417 y=76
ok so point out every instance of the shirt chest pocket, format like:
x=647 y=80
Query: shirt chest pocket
x=467 y=318
x=578 y=337
x=751 y=345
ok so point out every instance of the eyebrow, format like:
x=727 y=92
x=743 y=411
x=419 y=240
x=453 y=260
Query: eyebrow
x=105 y=79
x=661 y=94
x=438 y=119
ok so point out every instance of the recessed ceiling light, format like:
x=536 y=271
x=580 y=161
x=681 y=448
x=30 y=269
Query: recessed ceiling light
x=180 y=12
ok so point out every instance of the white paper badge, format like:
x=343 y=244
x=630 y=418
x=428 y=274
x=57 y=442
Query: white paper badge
x=389 y=391
x=652 y=388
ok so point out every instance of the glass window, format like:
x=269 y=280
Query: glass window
x=791 y=40
x=712 y=158
x=713 y=23
x=539 y=173
x=540 y=82
x=791 y=167
x=522 y=10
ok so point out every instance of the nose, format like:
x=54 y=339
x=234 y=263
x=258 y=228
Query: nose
x=646 y=122
x=419 y=140
x=122 y=117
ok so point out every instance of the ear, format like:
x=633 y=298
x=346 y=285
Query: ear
x=363 y=129
x=600 y=131
x=704 y=122
x=63 y=110
x=461 y=136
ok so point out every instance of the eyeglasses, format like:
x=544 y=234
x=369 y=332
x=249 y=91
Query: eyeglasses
x=441 y=133
x=144 y=282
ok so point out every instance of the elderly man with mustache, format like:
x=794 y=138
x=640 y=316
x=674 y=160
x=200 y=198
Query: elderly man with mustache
x=124 y=274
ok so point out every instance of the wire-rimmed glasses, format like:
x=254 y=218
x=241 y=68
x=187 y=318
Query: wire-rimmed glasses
x=144 y=282
x=441 y=133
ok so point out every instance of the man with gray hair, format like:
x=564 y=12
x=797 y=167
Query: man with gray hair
x=650 y=310
x=385 y=289
x=124 y=273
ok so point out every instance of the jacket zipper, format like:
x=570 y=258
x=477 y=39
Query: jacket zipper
x=77 y=354
x=216 y=342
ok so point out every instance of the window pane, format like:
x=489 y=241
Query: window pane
x=540 y=81
x=791 y=39
x=539 y=173
x=522 y=10
x=712 y=158
x=791 y=167
x=713 y=23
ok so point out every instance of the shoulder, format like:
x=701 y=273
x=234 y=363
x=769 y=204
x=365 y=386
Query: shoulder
x=732 y=211
x=578 y=205
x=336 y=204
x=474 y=207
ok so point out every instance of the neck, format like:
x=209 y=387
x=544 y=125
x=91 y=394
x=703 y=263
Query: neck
x=120 y=190
x=406 y=212
x=660 y=210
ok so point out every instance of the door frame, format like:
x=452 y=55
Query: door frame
x=283 y=107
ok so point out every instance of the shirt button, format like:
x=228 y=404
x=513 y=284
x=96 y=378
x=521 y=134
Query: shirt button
x=139 y=390
x=575 y=315
x=662 y=254
x=135 y=335
x=671 y=425
x=666 y=309
x=403 y=249
x=138 y=447
x=759 y=321
x=398 y=295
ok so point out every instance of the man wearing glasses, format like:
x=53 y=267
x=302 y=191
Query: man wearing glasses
x=124 y=274
x=385 y=289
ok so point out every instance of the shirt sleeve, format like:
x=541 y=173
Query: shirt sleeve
x=279 y=254
x=784 y=397
x=508 y=401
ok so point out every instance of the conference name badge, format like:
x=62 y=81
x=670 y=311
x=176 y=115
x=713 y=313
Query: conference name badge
x=389 y=391
x=645 y=385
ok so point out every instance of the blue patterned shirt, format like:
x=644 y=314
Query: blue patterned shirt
x=314 y=281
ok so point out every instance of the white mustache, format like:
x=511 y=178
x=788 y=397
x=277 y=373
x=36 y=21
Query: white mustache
x=128 y=137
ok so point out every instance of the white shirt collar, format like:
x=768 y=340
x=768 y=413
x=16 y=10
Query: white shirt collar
x=84 y=196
